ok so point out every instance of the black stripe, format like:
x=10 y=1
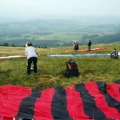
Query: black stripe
x=90 y=107
x=59 y=105
x=112 y=102
x=26 y=109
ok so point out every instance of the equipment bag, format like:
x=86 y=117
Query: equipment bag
x=71 y=69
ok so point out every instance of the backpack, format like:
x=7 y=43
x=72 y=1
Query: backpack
x=71 y=69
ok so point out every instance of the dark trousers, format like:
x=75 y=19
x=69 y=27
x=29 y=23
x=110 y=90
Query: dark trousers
x=89 y=48
x=30 y=60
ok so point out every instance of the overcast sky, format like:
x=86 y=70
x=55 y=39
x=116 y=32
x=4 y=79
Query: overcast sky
x=38 y=8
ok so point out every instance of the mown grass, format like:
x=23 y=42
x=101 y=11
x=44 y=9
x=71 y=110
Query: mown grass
x=13 y=71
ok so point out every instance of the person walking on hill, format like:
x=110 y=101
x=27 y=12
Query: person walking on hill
x=32 y=56
x=89 y=45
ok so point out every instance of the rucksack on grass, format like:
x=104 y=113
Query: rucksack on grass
x=71 y=69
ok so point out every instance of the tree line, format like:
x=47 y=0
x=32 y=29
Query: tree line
x=96 y=39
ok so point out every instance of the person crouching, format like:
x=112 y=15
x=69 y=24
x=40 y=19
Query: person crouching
x=32 y=57
x=114 y=54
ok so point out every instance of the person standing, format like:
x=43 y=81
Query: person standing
x=32 y=56
x=76 y=46
x=89 y=45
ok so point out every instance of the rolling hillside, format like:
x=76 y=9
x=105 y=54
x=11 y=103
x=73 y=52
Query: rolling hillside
x=55 y=33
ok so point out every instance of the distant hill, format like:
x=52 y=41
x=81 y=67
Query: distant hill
x=112 y=38
x=60 y=32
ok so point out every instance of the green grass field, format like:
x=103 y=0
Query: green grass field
x=13 y=71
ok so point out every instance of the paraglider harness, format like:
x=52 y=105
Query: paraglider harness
x=71 y=69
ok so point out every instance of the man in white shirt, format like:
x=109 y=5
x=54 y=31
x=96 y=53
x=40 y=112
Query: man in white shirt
x=32 y=56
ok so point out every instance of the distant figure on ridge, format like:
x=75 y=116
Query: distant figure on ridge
x=76 y=45
x=114 y=54
x=32 y=57
x=89 y=45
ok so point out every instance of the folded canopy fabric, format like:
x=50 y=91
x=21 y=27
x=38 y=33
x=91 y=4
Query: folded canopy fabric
x=94 y=49
x=12 y=57
x=76 y=55
x=84 y=101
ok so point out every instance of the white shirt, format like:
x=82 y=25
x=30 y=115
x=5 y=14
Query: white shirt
x=30 y=52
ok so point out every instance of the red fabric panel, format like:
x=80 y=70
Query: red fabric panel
x=94 y=49
x=10 y=99
x=101 y=103
x=6 y=118
x=75 y=105
x=43 y=105
x=114 y=90
x=11 y=57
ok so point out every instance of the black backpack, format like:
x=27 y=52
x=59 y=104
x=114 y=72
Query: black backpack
x=71 y=69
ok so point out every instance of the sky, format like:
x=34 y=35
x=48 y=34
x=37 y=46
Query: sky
x=32 y=9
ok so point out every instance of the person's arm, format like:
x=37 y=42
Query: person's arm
x=88 y=43
x=35 y=51
x=112 y=52
x=116 y=52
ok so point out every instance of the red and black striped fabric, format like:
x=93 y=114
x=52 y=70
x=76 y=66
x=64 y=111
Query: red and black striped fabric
x=84 y=101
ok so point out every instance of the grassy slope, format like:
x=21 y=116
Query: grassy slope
x=91 y=68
